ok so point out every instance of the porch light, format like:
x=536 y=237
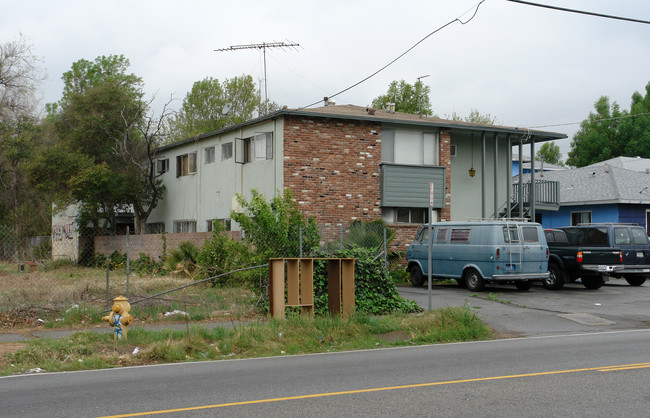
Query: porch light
x=472 y=171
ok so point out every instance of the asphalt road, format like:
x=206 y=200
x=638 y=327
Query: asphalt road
x=595 y=374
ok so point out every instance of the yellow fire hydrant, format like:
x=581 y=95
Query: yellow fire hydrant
x=119 y=318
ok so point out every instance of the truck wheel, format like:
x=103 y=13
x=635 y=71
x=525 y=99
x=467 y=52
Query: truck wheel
x=523 y=284
x=555 y=279
x=417 y=279
x=474 y=281
x=635 y=280
x=593 y=282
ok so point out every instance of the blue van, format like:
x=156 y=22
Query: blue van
x=473 y=253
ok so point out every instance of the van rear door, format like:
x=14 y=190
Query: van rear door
x=534 y=249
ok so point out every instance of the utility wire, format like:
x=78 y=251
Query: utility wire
x=401 y=55
x=595 y=120
x=562 y=9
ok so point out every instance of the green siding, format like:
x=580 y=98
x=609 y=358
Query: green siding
x=407 y=186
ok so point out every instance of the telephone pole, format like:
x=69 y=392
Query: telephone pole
x=263 y=46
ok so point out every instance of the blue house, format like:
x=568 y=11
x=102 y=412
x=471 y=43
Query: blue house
x=616 y=190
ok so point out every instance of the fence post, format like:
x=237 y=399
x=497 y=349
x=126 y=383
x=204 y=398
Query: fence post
x=385 y=249
x=108 y=264
x=127 y=262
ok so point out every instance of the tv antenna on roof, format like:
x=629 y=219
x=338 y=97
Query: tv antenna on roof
x=263 y=46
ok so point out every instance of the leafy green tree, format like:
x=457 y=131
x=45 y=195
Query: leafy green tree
x=610 y=132
x=550 y=153
x=475 y=117
x=105 y=139
x=405 y=97
x=204 y=107
x=274 y=227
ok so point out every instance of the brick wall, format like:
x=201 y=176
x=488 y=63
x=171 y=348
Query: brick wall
x=332 y=169
x=445 y=161
x=151 y=244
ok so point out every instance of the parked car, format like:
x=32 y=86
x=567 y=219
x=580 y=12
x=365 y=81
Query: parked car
x=630 y=238
x=568 y=263
x=473 y=253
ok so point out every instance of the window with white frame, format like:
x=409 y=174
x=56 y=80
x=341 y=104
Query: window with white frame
x=186 y=164
x=406 y=215
x=223 y=221
x=409 y=147
x=162 y=165
x=184 y=226
x=255 y=148
x=208 y=155
x=226 y=151
x=578 y=218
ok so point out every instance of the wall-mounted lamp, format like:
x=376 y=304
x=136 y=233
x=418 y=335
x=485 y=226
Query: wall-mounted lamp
x=472 y=171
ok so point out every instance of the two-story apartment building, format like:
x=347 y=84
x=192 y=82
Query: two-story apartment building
x=343 y=163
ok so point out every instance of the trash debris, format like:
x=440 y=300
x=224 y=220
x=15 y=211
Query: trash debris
x=175 y=312
x=282 y=352
x=136 y=350
x=35 y=370
x=72 y=307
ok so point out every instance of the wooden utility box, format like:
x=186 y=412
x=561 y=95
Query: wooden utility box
x=291 y=283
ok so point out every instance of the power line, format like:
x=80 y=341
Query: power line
x=596 y=120
x=563 y=9
x=402 y=54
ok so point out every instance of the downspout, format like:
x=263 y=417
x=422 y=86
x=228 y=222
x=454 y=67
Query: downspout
x=496 y=175
x=483 y=197
x=521 y=179
x=532 y=179
x=508 y=182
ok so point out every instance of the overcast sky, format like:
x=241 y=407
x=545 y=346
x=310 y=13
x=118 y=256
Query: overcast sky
x=525 y=65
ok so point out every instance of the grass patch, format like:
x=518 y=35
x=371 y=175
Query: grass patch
x=296 y=335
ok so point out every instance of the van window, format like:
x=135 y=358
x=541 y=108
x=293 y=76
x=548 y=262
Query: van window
x=510 y=234
x=442 y=235
x=424 y=235
x=621 y=236
x=639 y=236
x=530 y=234
x=460 y=235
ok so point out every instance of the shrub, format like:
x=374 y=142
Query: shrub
x=221 y=254
x=183 y=259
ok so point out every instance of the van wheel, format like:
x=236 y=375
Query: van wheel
x=417 y=279
x=523 y=284
x=592 y=282
x=474 y=281
x=635 y=280
x=555 y=279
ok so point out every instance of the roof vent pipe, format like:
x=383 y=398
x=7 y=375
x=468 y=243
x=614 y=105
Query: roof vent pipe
x=390 y=107
x=328 y=101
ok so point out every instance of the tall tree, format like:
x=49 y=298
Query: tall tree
x=610 y=132
x=407 y=98
x=20 y=76
x=550 y=153
x=103 y=156
x=212 y=104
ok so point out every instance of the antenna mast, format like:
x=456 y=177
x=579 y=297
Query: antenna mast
x=263 y=46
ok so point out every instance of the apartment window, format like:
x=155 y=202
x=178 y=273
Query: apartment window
x=255 y=148
x=186 y=164
x=184 y=226
x=578 y=218
x=224 y=221
x=209 y=155
x=154 y=228
x=162 y=165
x=226 y=151
x=406 y=215
x=409 y=147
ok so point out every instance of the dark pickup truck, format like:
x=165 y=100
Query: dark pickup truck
x=567 y=263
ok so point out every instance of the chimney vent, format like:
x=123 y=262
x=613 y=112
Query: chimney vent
x=390 y=107
x=328 y=101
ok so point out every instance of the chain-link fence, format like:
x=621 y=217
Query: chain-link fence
x=71 y=275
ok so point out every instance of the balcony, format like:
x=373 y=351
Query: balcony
x=547 y=194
